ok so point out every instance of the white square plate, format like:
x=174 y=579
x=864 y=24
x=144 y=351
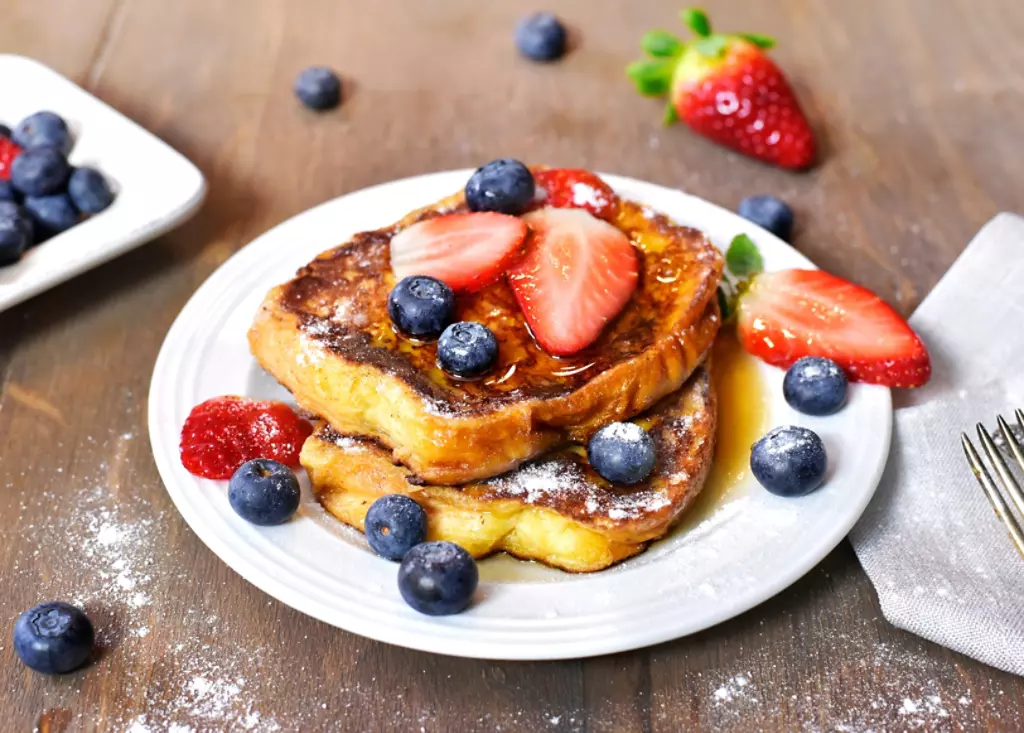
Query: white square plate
x=157 y=187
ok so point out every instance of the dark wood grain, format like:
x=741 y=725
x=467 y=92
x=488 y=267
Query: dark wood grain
x=919 y=106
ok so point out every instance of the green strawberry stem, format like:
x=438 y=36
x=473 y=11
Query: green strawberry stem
x=697 y=21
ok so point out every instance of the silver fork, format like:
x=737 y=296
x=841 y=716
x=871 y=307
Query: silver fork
x=1010 y=485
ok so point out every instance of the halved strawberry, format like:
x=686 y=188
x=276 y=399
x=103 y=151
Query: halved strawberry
x=574 y=188
x=466 y=251
x=577 y=274
x=789 y=314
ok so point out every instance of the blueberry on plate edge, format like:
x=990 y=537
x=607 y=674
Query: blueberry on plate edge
x=421 y=307
x=541 y=37
x=89 y=190
x=438 y=578
x=815 y=385
x=504 y=185
x=319 y=88
x=395 y=524
x=264 y=492
x=53 y=638
x=770 y=213
x=467 y=350
x=622 y=452
x=789 y=461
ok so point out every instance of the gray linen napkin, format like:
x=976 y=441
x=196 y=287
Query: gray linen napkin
x=940 y=559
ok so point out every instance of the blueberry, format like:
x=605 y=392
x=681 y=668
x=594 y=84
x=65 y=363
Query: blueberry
x=43 y=129
x=437 y=578
x=15 y=232
x=770 y=213
x=5 y=131
x=541 y=37
x=815 y=386
x=7 y=192
x=53 y=638
x=789 y=461
x=421 y=307
x=51 y=214
x=89 y=190
x=622 y=452
x=39 y=172
x=503 y=185
x=264 y=492
x=394 y=525
x=467 y=349
x=318 y=88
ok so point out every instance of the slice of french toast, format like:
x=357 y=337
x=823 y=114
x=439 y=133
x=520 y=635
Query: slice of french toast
x=554 y=509
x=327 y=337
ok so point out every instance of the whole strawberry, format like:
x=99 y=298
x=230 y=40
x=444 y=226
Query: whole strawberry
x=726 y=88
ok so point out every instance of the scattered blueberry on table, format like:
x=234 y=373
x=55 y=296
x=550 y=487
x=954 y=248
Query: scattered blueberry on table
x=815 y=385
x=503 y=185
x=394 y=525
x=421 y=307
x=15 y=232
x=789 y=461
x=769 y=213
x=53 y=638
x=318 y=88
x=264 y=492
x=43 y=130
x=438 y=578
x=467 y=349
x=621 y=452
x=541 y=37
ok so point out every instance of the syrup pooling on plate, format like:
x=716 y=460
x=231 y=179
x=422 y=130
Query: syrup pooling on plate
x=676 y=281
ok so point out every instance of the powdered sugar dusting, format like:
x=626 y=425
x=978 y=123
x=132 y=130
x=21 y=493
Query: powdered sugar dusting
x=586 y=195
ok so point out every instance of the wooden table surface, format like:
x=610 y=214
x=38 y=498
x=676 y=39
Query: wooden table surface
x=918 y=107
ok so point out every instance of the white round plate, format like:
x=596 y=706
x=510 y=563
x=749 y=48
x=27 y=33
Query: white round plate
x=742 y=554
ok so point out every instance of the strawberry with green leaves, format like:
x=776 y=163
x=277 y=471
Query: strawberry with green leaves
x=785 y=315
x=726 y=88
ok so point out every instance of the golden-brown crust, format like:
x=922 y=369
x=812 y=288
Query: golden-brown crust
x=555 y=509
x=326 y=336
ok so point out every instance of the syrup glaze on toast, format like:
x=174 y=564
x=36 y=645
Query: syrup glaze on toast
x=327 y=337
x=338 y=300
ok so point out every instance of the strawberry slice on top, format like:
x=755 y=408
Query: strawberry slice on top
x=577 y=274
x=465 y=251
x=574 y=188
x=789 y=314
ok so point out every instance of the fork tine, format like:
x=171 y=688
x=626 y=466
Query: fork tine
x=1016 y=495
x=994 y=497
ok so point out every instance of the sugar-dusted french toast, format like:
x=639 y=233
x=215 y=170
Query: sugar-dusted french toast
x=555 y=509
x=327 y=337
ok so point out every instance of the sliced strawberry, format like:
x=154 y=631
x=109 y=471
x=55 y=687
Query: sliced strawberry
x=790 y=314
x=577 y=274
x=8 y=152
x=573 y=188
x=466 y=251
x=222 y=433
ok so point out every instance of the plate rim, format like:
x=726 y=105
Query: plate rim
x=449 y=644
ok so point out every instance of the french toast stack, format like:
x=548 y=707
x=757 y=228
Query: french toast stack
x=499 y=463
